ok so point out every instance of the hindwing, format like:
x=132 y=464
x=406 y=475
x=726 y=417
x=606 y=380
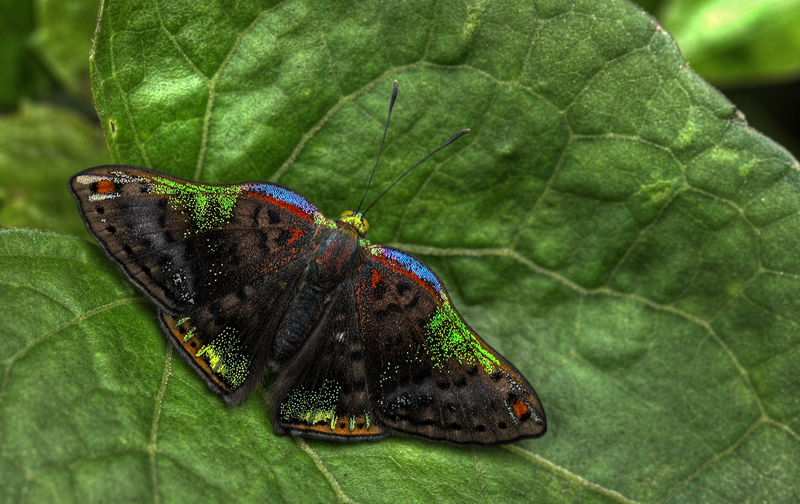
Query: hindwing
x=323 y=391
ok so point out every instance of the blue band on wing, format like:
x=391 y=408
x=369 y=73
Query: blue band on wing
x=282 y=194
x=405 y=261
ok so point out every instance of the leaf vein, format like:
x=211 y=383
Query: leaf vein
x=212 y=90
x=175 y=43
x=152 y=446
x=327 y=49
x=340 y=495
x=714 y=459
x=568 y=475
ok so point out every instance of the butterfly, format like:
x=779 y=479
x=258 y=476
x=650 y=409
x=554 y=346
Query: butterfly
x=252 y=279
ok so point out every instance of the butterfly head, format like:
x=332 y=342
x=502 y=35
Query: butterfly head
x=355 y=221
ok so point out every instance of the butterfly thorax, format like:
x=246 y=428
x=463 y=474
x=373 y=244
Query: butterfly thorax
x=338 y=254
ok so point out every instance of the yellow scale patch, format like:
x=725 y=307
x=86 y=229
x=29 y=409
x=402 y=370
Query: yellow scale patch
x=226 y=358
x=315 y=410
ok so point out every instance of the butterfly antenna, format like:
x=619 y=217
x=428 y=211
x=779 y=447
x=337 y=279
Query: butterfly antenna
x=452 y=139
x=391 y=105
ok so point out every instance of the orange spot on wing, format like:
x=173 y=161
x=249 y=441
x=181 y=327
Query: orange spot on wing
x=520 y=409
x=105 y=187
x=296 y=234
x=376 y=278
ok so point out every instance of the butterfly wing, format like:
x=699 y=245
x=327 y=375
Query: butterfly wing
x=220 y=261
x=322 y=392
x=428 y=373
x=391 y=355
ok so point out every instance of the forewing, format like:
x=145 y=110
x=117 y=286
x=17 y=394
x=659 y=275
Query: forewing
x=322 y=392
x=428 y=373
x=186 y=243
x=219 y=260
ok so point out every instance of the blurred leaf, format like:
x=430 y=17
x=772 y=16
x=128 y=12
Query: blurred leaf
x=63 y=38
x=610 y=225
x=651 y=6
x=740 y=41
x=40 y=148
x=21 y=73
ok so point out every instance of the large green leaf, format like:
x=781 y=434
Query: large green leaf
x=610 y=224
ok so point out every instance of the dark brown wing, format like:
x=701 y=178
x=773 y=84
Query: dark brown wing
x=428 y=373
x=322 y=392
x=390 y=355
x=221 y=261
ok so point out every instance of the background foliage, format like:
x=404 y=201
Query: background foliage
x=611 y=225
